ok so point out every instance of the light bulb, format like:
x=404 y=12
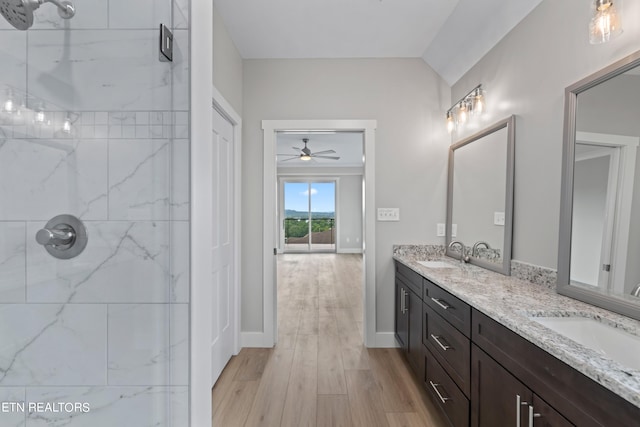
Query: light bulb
x=605 y=23
x=462 y=113
x=66 y=126
x=478 y=102
x=305 y=157
x=8 y=106
x=450 y=123
x=40 y=117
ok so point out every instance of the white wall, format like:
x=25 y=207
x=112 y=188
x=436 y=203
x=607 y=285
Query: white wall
x=350 y=213
x=525 y=75
x=407 y=99
x=227 y=64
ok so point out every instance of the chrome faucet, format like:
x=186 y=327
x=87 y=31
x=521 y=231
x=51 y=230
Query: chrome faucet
x=463 y=252
x=636 y=291
x=476 y=245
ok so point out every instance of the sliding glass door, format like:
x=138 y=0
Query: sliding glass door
x=309 y=216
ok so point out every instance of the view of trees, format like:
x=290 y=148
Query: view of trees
x=299 y=227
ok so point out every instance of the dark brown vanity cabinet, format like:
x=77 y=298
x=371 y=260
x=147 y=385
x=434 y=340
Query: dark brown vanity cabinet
x=445 y=335
x=482 y=374
x=505 y=365
x=402 y=315
x=409 y=316
x=499 y=399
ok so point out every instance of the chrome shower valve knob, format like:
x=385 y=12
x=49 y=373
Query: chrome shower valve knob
x=63 y=237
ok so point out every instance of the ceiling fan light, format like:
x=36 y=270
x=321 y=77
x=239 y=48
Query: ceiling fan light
x=305 y=157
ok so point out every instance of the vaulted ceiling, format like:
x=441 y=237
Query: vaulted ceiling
x=450 y=35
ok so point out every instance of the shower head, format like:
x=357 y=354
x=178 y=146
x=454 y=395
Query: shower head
x=19 y=13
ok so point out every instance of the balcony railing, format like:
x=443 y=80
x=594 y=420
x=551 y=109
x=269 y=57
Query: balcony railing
x=296 y=231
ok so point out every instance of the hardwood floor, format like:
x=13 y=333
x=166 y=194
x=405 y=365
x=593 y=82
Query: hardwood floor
x=320 y=374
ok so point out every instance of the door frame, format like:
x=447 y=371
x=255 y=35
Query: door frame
x=628 y=146
x=200 y=244
x=270 y=223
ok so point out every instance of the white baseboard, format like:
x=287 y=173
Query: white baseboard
x=386 y=340
x=350 y=251
x=254 y=340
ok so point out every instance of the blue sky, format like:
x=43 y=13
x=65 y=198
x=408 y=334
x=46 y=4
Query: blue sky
x=323 y=196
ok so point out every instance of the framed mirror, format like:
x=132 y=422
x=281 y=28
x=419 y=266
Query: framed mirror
x=480 y=197
x=599 y=244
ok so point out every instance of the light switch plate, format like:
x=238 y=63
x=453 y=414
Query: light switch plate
x=440 y=230
x=498 y=218
x=388 y=214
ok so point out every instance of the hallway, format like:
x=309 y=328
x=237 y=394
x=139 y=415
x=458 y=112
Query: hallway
x=320 y=374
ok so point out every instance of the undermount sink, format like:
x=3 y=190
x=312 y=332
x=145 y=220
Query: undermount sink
x=436 y=264
x=607 y=340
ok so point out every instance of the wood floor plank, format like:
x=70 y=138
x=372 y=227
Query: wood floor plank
x=234 y=409
x=393 y=378
x=309 y=322
x=405 y=419
x=270 y=397
x=364 y=399
x=223 y=384
x=250 y=368
x=333 y=411
x=320 y=350
x=330 y=367
x=301 y=401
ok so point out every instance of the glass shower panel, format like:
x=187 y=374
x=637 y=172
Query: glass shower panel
x=93 y=125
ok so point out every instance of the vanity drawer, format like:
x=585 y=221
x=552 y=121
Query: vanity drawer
x=444 y=392
x=449 y=346
x=410 y=278
x=451 y=308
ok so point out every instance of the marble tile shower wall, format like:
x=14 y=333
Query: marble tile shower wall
x=110 y=327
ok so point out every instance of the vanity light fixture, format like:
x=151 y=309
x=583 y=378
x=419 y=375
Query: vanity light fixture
x=605 y=23
x=472 y=103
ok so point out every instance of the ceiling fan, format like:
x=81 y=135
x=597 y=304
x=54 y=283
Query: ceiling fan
x=306 y=154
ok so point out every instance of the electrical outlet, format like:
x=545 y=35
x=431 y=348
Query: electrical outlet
x=440 y=230
x=388 y=214
x=498 y=218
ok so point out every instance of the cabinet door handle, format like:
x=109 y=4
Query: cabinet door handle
x=532 y=415
x=519 y=404
x=404 y=298
x=444 y=346
x=441 y=303
x=435 y=388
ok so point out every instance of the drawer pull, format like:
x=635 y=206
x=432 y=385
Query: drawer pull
x=404 y=301
x=532 y=415
x=441 y=303
x=445 y=346
x=435 y=388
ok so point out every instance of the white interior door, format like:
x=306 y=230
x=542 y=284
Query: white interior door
x=222 y=250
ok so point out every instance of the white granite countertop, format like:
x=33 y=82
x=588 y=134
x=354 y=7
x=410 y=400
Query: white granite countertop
x=512 y=301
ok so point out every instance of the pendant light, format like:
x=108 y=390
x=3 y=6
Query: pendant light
x=605 y=23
